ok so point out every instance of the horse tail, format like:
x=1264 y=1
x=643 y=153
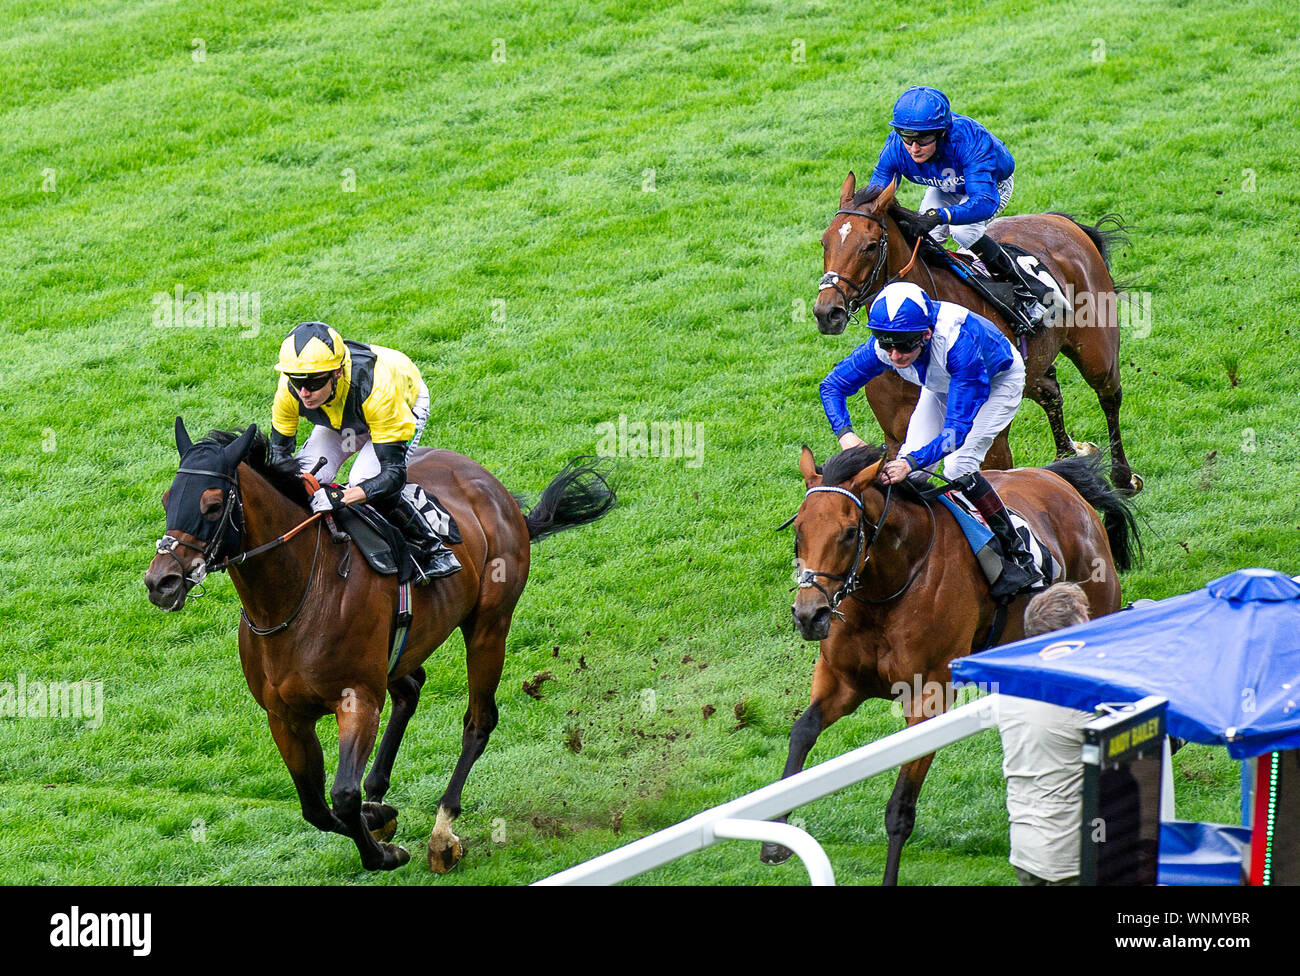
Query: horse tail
x=1085 y=475
x=1103 y=238
x=579 y=494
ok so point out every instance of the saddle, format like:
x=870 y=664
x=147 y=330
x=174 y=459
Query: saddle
x=1000 y=294
x=383 y=545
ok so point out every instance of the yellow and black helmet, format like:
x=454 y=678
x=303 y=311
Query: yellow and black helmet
x=312 y=347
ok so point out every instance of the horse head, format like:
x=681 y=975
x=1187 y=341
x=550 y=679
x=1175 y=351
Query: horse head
x=855 y=246
x=203 y=516
x=832 y=535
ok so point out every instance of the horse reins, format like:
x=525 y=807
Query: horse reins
x=850 y=581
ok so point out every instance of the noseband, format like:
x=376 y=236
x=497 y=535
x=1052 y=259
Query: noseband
x=861 y=294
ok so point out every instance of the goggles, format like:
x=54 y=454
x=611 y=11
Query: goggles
x=311 y=382
x=902 y=341
x=911 y=137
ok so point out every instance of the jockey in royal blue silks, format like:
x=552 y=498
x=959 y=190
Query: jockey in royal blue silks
x=969 y=173
x=971 y=380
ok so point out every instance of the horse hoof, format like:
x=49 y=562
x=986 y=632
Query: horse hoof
x=775 y=854
x=1084 y=448
x=443 y=858
x=381 y=820
x=394 y=856
x=1135 y=480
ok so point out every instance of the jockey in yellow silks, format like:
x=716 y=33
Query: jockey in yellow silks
x=364 y=400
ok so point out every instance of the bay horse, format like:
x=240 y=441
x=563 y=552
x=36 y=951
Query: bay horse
x=316 y=625
x=911 y=597
x=867 y=245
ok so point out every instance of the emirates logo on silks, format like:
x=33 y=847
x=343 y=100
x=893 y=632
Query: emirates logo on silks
x=1060 y=649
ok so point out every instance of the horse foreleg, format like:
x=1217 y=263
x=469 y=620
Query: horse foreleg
x=358 y=720
x=485 y=652
x=300 y=749
x=900 y=814
x=382 y=817
x=833 y=697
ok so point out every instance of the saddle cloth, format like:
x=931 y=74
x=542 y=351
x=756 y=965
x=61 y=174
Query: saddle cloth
x=980 y=537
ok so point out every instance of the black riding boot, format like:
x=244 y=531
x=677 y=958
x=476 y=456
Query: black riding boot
x=1018 y=569
x=1034 y=296
x=432 y=558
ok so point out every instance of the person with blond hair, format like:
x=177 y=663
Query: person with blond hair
x=1041 y=747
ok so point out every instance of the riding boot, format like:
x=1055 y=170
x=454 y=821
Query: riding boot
x=1034 y=296
x=433 y=559
x=1018 y=569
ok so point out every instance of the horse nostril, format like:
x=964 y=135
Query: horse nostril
x=165 y=586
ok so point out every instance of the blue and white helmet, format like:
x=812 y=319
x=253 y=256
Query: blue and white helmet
x=922 y=109
x=901 y=307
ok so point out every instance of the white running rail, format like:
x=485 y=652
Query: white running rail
x=748 y=817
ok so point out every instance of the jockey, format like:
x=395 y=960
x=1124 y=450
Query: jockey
x=971 y=380
x=969 y=173
x=364 y=400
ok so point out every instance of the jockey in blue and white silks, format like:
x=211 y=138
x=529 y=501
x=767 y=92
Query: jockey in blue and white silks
x=972 y=381
x=970 y=175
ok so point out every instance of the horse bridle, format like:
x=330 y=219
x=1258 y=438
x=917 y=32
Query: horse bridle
x=166 y=546
x=234 y=504
x=832 y=279
x=849 y=581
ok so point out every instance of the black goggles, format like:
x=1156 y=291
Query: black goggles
x=311 y=382
x=902 y=341
x=911 y=137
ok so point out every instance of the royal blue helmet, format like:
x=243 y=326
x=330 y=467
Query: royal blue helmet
x=922 y=109
x=901 y=307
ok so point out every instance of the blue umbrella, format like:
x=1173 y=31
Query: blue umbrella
x=1227 y=657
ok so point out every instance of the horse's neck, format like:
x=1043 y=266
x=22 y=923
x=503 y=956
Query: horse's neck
x=900 y=546
x=274 y=577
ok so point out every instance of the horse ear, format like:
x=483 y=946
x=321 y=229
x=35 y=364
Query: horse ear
x=865 y=477
x=237 y=449
x=183 y=442
x=885 y=197
x=808 y=466
x=847 y=190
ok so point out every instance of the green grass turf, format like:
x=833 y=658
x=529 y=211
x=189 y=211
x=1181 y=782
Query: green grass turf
x=636 y=191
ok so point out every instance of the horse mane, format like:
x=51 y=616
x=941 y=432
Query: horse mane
x=284 y=475
x=902 y=216
x=839 y=468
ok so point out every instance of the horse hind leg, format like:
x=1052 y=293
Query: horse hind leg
x=381 y=817
x=485 y=653
x=1046 y=392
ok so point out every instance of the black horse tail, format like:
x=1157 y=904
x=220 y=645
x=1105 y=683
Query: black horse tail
x=1085 y=475
x=1103 y=238
x=579 y=494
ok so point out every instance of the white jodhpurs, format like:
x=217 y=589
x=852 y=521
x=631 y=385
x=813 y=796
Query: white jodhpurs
x=963 y=234
x=336 y=447
x=1005 y=394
